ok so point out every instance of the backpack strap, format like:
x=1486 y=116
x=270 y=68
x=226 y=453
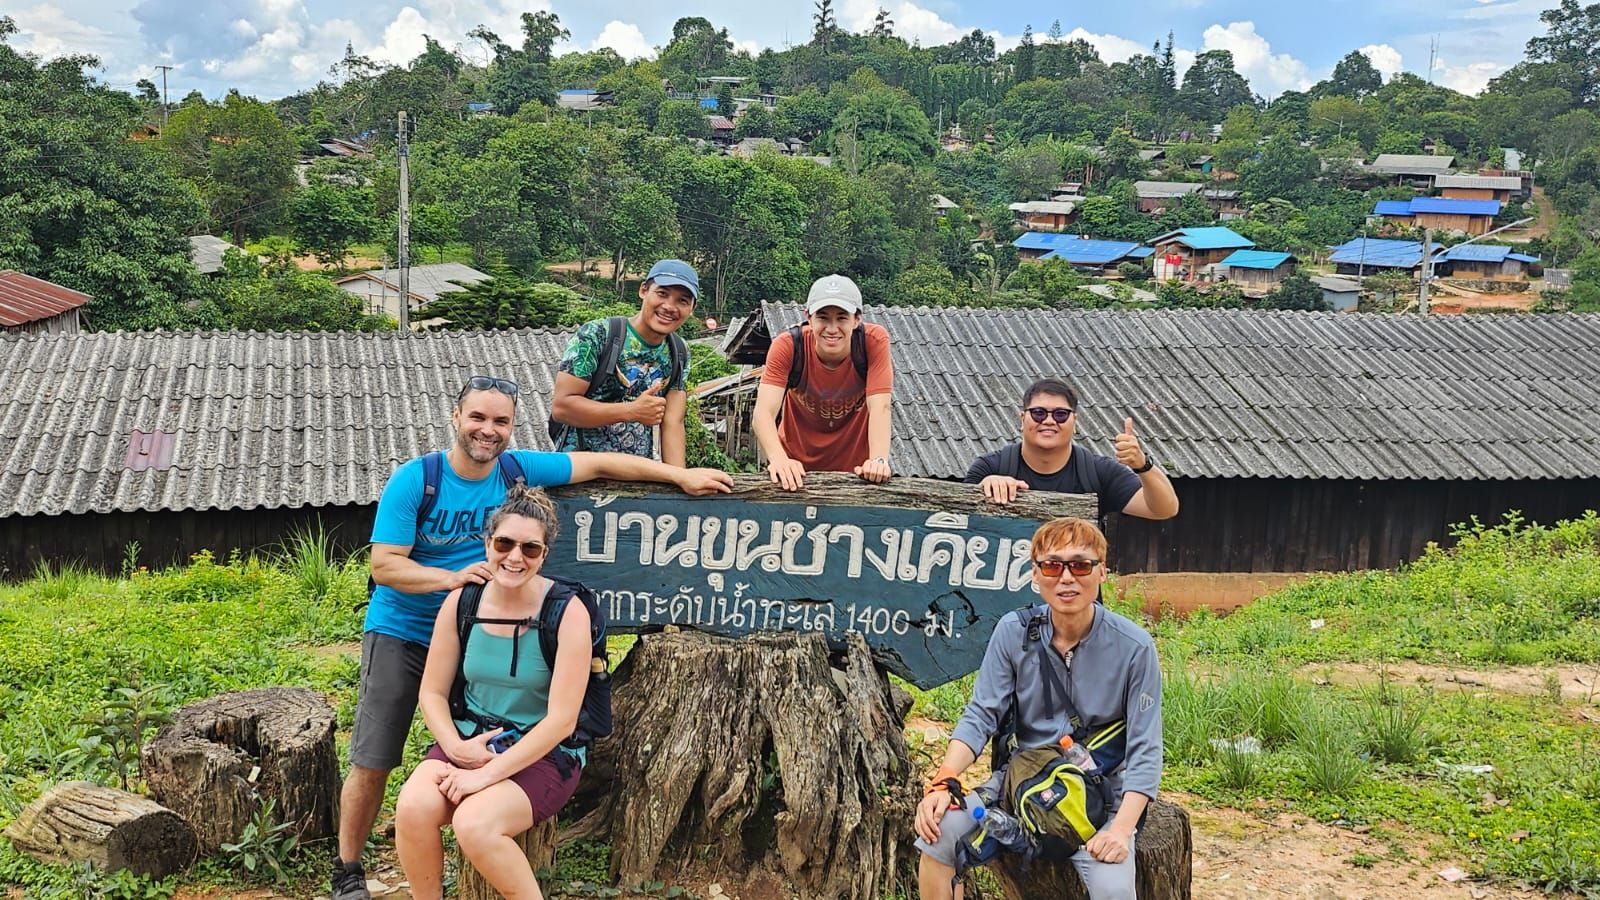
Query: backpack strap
x=511 y=471
x=466 y=611
x=432 y=474
x=610 y=354
x=858 y=349
x=561 y=593
x=679 y=352
x=797 y=356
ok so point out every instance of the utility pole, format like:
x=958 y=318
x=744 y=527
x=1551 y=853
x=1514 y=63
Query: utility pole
x=404 y=216
x=1427 y=271
x=164 y=71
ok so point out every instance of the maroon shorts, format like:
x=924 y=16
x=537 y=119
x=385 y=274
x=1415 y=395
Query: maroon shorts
x=547 y=791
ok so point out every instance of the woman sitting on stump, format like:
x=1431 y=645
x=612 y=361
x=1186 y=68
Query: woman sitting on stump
x=497 y=767
x=1066 y=666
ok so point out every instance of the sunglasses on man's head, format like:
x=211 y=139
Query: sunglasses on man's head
x=490 y=383
x=1039 y=413
x=530 y=549
x=1052 y=568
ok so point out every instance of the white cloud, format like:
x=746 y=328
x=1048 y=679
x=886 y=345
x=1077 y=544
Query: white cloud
x=449 y=21
x=626 y=39
x=916 y=24
x=47 y=31
x=1471 y=78
x=1270 y=74
x=1384 y=58
x=1110 y=47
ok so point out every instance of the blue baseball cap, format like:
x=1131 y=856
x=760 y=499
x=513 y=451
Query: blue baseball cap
x=675 y=271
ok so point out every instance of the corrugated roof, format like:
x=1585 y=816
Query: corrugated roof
x=721 y=123
x=1400 y=208
x=1455 y=207
x=1090 y=252
x=1156 y=190
x=1257 y=394
x=206 y=251
x=1522 y=257
x=1213 y=238
x=1475 y=253
x=427 y=282
x=1480 y=182
x=1256 y=259
x=1409 y=163
x=1336 y=284
x=24 y=298
x=259 y=420
x=1374 y=252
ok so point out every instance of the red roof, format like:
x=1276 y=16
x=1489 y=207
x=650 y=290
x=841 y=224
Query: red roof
x=720 y=123
x=24 y=299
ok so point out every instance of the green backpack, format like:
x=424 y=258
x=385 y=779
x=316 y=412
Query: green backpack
x=1059 y=805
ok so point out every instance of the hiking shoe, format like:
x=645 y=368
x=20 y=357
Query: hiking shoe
x=349 y=881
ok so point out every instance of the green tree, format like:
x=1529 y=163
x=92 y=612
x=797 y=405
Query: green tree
x=1022 y=60
x=929 y=285
x=1211 y=87
x=882 y=124
x=757 y=121
x=1284 y=170
x=433 y=225
x=744 y=227
x=642 y=227
x=522 y=75
x=326 y=219
x=1354 y=76
x=882 y=25
x=1297 y=291
x=501 y=302
x=682 y=118
x=249 y=295
x=697 y=48
x=725 y=105
x=1572 y=42
x=84 y=208
x=240 y=155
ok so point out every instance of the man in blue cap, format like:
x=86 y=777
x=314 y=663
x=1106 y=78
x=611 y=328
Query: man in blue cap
x=622 y=378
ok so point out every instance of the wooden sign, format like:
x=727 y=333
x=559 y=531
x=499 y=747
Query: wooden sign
x=922 y=569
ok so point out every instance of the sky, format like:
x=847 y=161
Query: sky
x=271 y=48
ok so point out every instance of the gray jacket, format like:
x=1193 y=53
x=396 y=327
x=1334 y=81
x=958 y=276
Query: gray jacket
x=1115 y=674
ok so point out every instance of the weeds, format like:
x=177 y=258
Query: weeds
x=116 y=733
x=1392 y=724
x=1325 y=741
x=265 y=847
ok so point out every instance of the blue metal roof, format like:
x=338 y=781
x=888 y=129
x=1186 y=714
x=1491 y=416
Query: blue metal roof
x=1522 y=257
x=1257 y=259
x=1214 y=238
x=1393 y=208
x=1040 y=240
x=1082 y=252
x=1475 y=253
x=1140 y=252
x=1372 y=252
x=708 y=103
x=1452 y=206
x=574 y=91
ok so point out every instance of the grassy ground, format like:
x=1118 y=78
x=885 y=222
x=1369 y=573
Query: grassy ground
x=86 y=660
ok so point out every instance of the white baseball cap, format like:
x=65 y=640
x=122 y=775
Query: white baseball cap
x=833 y=290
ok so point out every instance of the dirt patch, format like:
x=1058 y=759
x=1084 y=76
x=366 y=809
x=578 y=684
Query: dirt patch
x=352 y=264
x=599 y=267
x=334 y=651
x=1576 y=684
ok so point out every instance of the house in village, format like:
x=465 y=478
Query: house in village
x=1444 y=214
x=1368 y=256
x=942 y=205
x=1080 y=252
x=1339 y=294
x=1160 y=196
x=30 y=305
x=1257 y=272
x=721 y=127
x=1414 y=169
x=1503 y=188
x=379 y=289
x=1052 y=214
x=1191 y=254
x=1483 y=262
x=1366 y=436
x=584 y=99
x=206 y=252
x=345 y=147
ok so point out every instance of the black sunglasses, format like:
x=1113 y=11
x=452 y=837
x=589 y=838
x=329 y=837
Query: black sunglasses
x=530 y=549
x=489 y=383
x=1052 y=568
x=1039 y=413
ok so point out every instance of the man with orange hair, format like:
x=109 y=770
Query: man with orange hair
x=1065 y=666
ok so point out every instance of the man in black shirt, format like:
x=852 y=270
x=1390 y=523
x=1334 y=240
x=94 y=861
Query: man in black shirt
x=1045 y=460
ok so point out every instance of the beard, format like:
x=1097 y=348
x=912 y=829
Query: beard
x=476 y=451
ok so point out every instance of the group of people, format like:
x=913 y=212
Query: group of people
x=470 y=525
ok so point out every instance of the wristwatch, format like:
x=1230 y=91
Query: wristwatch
x=1149 y=463
x=884 y=460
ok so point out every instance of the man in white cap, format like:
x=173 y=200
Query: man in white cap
x=831 y=380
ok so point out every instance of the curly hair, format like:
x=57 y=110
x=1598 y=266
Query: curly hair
x=530 y=503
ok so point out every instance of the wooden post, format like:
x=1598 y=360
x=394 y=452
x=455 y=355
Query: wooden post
x=220 y=757
x=538 y=843
x=79 y=821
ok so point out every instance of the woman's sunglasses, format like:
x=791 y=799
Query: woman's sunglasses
x=530 y=549
x=1052 y=568
x=1039 y=413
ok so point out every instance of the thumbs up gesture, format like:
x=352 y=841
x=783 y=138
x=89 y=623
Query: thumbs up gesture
x=649 y=408
x=1129 y=453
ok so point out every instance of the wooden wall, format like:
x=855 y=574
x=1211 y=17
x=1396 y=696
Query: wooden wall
x=1259 y=525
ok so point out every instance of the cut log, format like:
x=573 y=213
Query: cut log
x=1162 y=859
x=538 y=843
x=759 y=754
x=220 y=758
x=83 y=822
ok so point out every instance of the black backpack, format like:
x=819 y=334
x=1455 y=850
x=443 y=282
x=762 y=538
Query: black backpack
x=797 y=358
x=594 y=715
x=610 y=355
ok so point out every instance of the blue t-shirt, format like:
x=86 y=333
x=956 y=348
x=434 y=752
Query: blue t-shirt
x=451 y=538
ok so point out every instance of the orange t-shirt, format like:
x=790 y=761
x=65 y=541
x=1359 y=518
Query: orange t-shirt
x=824 y=423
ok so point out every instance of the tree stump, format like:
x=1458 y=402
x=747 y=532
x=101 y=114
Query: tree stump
x=538 y=842
x=79 y=821
x=758 y=754
x=1162 y=859
x=220 y=758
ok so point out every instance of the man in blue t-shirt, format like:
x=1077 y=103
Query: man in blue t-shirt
x=416 y=566
x=1045 y=460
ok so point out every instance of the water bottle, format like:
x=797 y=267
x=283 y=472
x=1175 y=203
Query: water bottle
x=1076 y=754
x=1000 y=825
